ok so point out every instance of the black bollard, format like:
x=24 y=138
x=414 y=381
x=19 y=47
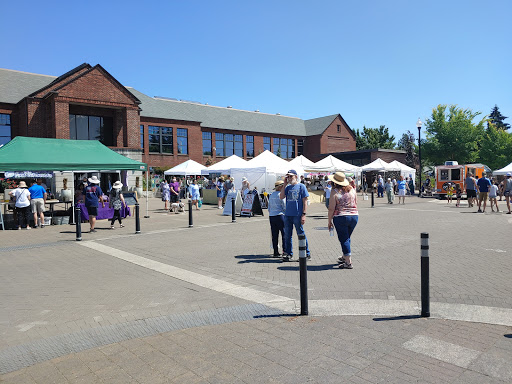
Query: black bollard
x=137 y=218
x=425 y=290
x=78 y=220
x=303 y=267
x=373 y=200
x=233 y=219
x=190 y=219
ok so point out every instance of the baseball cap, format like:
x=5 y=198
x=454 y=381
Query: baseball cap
x=292 y=172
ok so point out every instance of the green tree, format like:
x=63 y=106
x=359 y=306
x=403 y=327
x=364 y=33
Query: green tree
x=496 y=147
x=452 y=135
x=371 y=138
x=497 y=118
x=407 y=144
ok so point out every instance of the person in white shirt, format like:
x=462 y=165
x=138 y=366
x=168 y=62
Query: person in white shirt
x=493 y=193
x=22 y=196
x=328 y=188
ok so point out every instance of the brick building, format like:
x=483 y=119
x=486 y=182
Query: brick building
x=87 y=103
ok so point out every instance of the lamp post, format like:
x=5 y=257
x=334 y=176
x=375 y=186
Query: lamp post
x=419 y=123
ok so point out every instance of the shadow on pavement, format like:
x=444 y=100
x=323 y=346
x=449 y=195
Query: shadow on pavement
x=313 y=268
x=258 y=259
x=397 y=318
x=508 y=335
x=276 y=315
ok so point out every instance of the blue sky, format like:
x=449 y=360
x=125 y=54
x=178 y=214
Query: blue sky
x=374 y=62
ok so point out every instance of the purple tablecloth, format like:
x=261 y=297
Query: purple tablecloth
x=103 y=213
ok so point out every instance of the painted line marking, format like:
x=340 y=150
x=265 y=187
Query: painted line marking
x=249 y=294
x=443 y=351
x=27 y=326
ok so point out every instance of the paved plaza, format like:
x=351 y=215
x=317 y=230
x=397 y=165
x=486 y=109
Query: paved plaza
x=209 y=305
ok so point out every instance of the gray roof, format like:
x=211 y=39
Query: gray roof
x=317 y=126
x=15 y=85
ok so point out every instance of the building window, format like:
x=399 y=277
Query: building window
x=277 y=150
x=266 y=144
x=339 y=128
x=239 y=145
x=5 y=128
x=160 y=139
x=219 y=144
x=142 y=138
x=182 y=134
x=207 y=143
x=300 y=147
x=82 y=127
x=249 y=146
x=284 y=148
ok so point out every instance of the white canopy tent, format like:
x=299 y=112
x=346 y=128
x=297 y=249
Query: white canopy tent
x=301 y=161
x=332 y=164
x=503 y=171
x=187 y=168
x=224 y=167
x=405 y=170
x=379 y=165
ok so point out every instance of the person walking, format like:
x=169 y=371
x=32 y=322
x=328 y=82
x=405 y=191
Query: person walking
x=174 y=191
x=37 y=201
x=507 y=190
x=93 y=196
x=220 y=191
x=22 y=205
x=458 y=194
x=389 y=191
x=493 y=194
x=166 y=193
x=470 y=183
x=343 y=215
x=402 y=187
x=296 y=196
x=116 y=201
x=483 y=185
x=328 y=189
x=276 y=210
x=193 y=191
x=380 y=187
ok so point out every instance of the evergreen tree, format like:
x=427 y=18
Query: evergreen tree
x=496 y=118
x=371 y=138
x=407 y=144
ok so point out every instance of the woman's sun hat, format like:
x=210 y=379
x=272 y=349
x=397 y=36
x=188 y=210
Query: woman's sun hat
x=22 y=184
x=94 y=180
x=339 y=178
x=117 y=185
x=278 y=184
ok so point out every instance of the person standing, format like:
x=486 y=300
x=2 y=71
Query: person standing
x=296 y=196
x=402 y=187
x=328 y=189
x=343 y=215
x=389 y=191
x=22 y=205
x=411 y=185
x=246 y=187
x=470 y=183
x=193 y=191
x=37 y=201
x=493 y=194
x=483 y=185
x=93 y=196
x=276 y=210
x=380 y=187
x=507 y=190
x=166 y=193
x=174 y=191
x=116 y=201
x=220 y=191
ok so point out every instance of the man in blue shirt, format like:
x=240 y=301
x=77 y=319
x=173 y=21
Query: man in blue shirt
x=296 y=196
x=483 y=185
x=37 y=201
x=93 y=195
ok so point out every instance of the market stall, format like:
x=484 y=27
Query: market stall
x=224 y=167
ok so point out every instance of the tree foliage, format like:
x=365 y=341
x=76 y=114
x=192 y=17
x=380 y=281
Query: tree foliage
x=496 y=118
x=496 y=147
x=452 y=135
x=371 y=138
x=407 y=144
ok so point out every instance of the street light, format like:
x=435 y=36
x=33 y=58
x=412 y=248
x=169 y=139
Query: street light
x=419 y=123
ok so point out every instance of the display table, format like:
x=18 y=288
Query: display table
x=103 y=213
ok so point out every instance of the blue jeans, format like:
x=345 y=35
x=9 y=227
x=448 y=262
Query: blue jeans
x=289 y=222
x=344 y=227
x=276 y=227
x=380 y=191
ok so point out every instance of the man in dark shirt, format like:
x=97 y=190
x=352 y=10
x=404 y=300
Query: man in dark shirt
x=483 y=184
x=93 y=196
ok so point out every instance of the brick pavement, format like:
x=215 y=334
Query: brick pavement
x=54 y=287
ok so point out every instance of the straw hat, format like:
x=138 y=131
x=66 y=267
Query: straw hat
x=22 y=184
x=94 y=180
x=278 y=184
x=117 y=185
x=339 y=178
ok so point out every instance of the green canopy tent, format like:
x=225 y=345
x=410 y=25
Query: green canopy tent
x=42 y=154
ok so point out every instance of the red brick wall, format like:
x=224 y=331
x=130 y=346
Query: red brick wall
x=330 y=141
x=62 y=81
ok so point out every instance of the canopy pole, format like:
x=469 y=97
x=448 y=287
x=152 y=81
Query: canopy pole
x=73 y=206
x=147 y=192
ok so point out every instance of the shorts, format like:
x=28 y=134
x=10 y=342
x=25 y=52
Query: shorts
x=92 y=211
x=401 y=192
x=174 y=198
x=37 y=205
x=483 y=196
x=471 y=193
x=507 y=193
x=492 y=197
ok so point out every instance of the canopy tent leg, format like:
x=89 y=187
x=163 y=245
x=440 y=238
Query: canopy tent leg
x=147 y=194
x=73 y=205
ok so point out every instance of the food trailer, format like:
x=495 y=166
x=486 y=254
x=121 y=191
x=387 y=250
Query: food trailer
x=452 y=172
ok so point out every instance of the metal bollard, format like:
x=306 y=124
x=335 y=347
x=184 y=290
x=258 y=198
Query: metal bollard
x=233 y=219
x=137 y=218
x=373 y=199
x=78 y=220
x=303 y=276
x=190 y=219
x=425 y=290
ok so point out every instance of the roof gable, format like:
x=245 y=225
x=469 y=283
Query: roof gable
x=319 y=125
x=59 y=80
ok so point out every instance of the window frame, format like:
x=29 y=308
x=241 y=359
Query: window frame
x=203 y=134
x=183 y=137
x=6 y=123
x=161 y=135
